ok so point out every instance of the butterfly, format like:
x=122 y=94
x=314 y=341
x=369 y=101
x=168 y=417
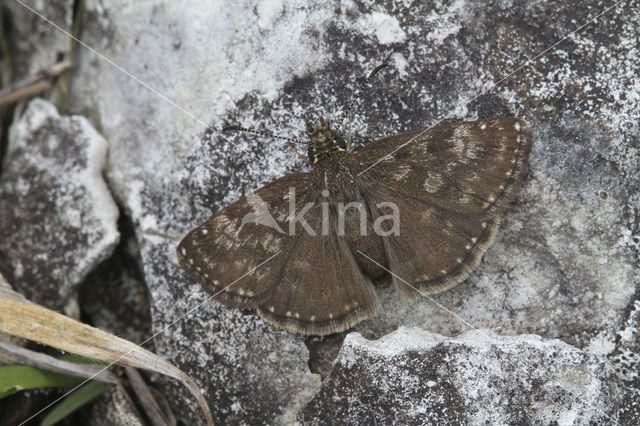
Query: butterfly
x=420 y=208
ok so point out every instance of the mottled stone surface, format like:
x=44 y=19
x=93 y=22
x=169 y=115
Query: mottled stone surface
x=565 y=260
x=415 y=377
x=32 y=42
x=113 y=407
x=57 y=216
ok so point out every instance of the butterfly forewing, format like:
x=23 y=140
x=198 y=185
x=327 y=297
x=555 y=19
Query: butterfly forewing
x=449 y=184
x=225 y=252
x=467 y=168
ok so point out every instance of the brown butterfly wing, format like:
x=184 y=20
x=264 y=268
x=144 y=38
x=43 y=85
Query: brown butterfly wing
x=225 y=255
x=321 y=288
x=434 y=249
x=471 y=167
x=449 y=183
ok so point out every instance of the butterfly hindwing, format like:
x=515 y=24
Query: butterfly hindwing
x=321 y=289
x=230 y=246
x=471 y=167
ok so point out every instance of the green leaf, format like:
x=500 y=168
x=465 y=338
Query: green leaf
x=73 y=401
x=14 y=378
x=81 y=359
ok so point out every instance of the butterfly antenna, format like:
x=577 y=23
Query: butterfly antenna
x=349 y=110
x=290 y=141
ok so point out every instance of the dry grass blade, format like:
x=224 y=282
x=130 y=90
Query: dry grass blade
x=44 y=326
x=12 y=354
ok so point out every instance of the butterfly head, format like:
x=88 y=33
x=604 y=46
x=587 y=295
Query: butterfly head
x=323 y=142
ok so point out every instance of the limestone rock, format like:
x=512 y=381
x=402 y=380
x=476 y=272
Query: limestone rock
x=57 y=216
x=415 y=377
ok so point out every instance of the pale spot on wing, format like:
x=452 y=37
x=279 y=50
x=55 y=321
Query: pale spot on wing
x=502 y=145
x=433 y=182
x=516 y=126
x=443 y=271
x=250 y=293
x=224 y=241
x=402 y=172
x=191 y=261
x=297 y=315
x=302 y=264
x=330 y=316
x=426 y=215
x=272 y=243
x=184 y=251
x=458 y=146
x=204 y=232
x=472 y=150
x=468 y=247
x=462 y=131
x=483 y=126
x=466 y=199
x=313 y=318
x=288 y=313
x=473 y=240
x=424 y=277
x=260 y=274
x=451 y=165
x=224 y=224
x=206 y=275
x=271 y=309
x=241 y=292
x=508 y=173
x=459 y=260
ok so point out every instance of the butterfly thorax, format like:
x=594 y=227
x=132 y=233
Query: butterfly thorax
x=323 y=142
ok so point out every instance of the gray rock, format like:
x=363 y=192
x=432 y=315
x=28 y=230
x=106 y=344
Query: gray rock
x=33 y=42
x=415 y=377
x=113 y=407
x=565 y=260
x=57 y=216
